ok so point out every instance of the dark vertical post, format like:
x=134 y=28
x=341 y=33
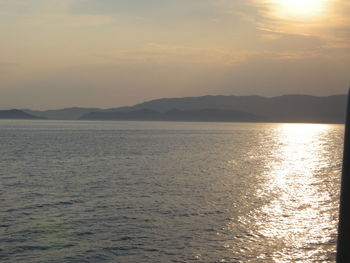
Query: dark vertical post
x=343 y=245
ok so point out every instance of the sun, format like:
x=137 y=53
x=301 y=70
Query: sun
x=296 y=9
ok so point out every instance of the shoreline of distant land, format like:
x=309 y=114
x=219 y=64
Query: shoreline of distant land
x=286 y=108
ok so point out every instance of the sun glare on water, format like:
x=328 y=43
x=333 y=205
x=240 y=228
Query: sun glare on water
x=299 y=216
x=303 y=9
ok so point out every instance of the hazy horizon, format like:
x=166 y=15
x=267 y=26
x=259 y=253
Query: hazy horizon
x=105 y=54
x=154 y=99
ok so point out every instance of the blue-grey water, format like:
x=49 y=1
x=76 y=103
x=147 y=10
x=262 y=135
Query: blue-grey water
x=168 y=192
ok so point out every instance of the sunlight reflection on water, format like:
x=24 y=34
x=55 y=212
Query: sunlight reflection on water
x=299 y=213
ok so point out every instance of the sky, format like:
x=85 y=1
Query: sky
x=110 y=53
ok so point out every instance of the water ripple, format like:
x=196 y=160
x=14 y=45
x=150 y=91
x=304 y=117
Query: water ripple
x=168 y=192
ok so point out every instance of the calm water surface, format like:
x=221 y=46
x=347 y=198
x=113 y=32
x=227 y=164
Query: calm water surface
x=168 y=192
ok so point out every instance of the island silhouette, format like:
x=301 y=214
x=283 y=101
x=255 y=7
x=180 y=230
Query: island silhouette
x=286 y=108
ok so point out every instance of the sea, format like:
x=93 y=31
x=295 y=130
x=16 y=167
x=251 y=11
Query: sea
x=96 y=191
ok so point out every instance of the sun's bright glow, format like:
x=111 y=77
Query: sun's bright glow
x=299 y=8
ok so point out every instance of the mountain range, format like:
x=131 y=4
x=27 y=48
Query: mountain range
x=16 y=114
x=286 y=108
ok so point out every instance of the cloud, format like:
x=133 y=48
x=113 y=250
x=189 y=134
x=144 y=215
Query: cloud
x=302 y=36
x=42 y=13
x=333 y=23
x=67 y=20
x=151 y=11
x=184 y=55
x=4 y=64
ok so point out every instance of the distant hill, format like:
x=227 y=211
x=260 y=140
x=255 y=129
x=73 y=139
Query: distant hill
x=174 y=115
x=287 y=108
x=62 y=114
x=16 y=114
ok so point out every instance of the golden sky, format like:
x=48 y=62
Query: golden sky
x=109 y=53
